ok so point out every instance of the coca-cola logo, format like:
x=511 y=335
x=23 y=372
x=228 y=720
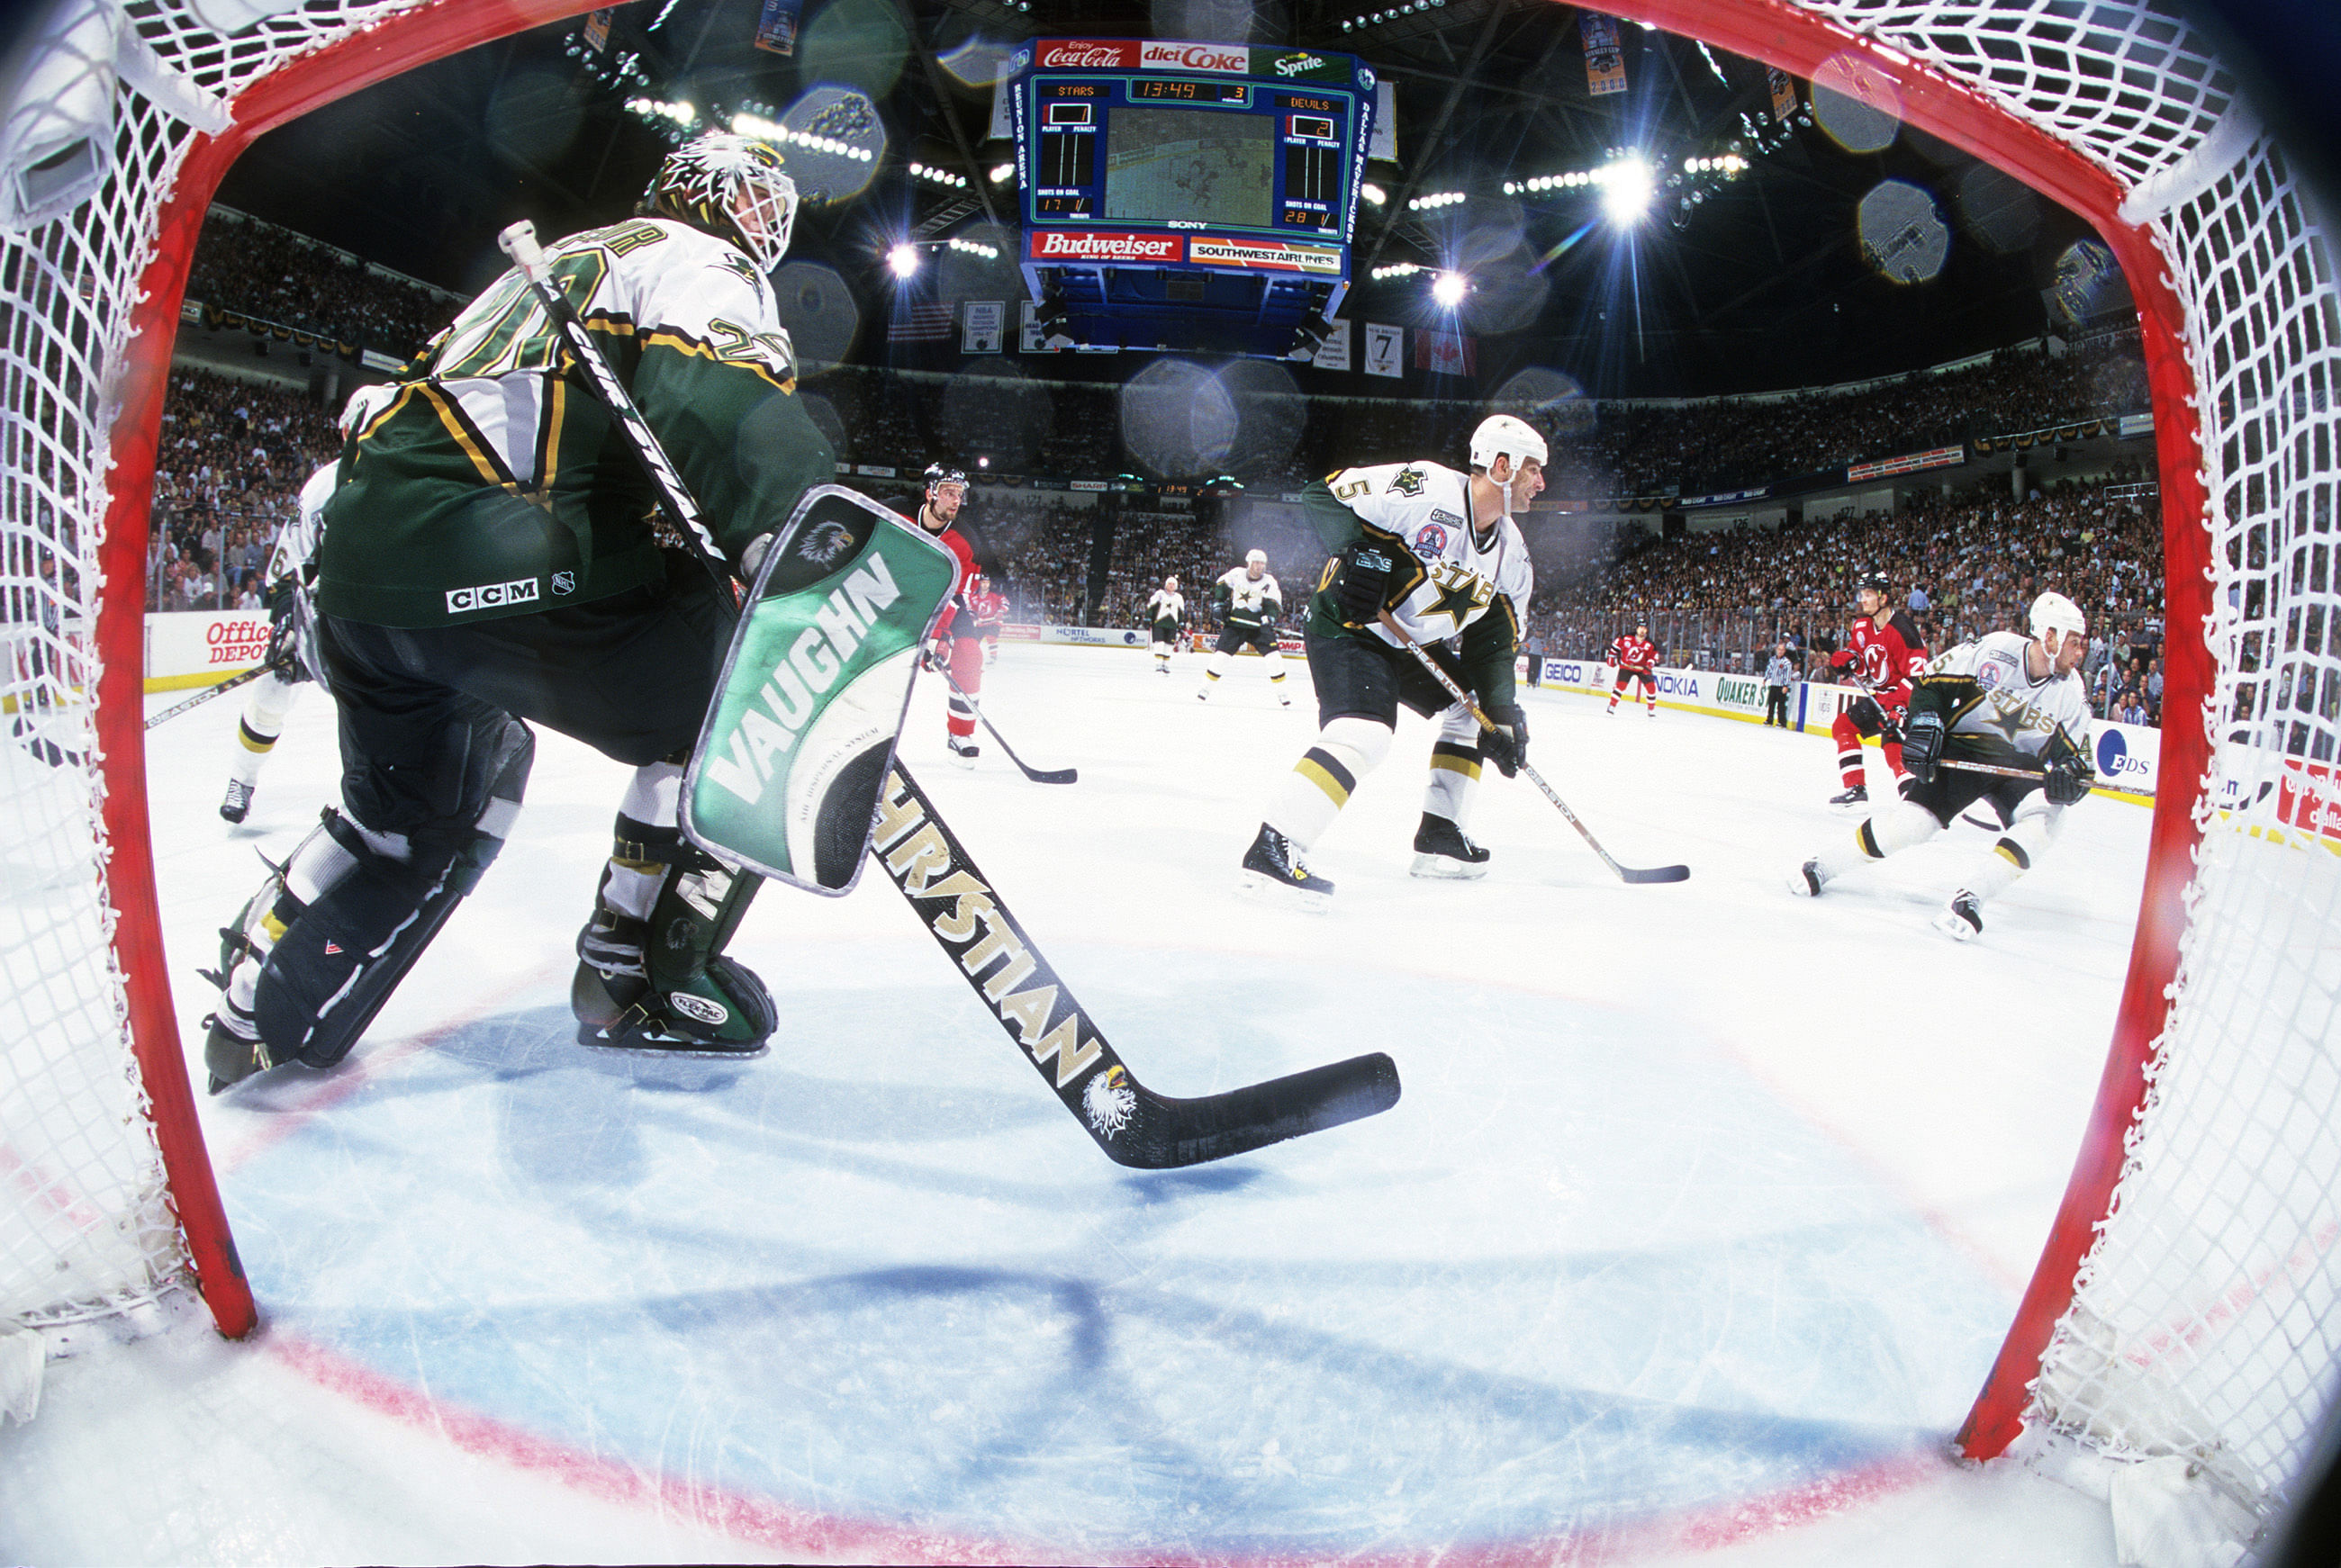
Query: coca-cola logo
x=1196 y=57
x=1083 y=55
x=1057 y=246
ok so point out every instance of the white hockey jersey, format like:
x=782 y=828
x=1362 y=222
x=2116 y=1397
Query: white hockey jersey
x=1167 y=606
x=1248 y=599
x=292 y=554
x=2014 y=712
x=1427 y=505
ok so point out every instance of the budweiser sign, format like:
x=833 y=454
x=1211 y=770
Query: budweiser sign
x=1166 y=56
x=1057 y=246
x=1086 y=55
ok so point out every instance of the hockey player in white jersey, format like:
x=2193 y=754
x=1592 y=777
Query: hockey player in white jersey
x=2005 y=700
x=292 y=657
x=1166 y=612
x=1438 y=552
x=1250 y=604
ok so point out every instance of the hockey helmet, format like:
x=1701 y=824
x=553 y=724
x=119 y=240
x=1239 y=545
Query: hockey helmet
x=1873 y=583
x=2052 y=611
x=364 y=406
x=944 y=474
x=1502 y=435
x=1255 y=558
x=733 y=187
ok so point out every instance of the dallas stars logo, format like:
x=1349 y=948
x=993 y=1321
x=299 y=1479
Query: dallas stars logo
x=1406 y=481
x=736 y=263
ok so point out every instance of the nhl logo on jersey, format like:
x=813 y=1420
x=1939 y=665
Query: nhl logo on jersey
x=1431 y=542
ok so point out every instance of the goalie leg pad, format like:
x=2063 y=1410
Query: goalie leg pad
x=345 y=948
x=690 y=997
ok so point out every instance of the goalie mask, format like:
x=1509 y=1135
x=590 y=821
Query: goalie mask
x=732 y=187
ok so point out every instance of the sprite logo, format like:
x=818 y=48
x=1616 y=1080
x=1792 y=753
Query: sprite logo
x=772 y=722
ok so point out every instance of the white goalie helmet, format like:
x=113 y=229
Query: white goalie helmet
x=2054 y=612
x=1502 y=435
x=1255 y=558
x=364 y=406
x=733 y=187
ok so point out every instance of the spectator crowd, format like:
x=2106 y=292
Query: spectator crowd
x=257 y=269
x=228 y=472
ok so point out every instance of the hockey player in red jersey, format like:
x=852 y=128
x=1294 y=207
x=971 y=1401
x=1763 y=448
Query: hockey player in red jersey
x=958 y=639
x=1883 y=654
x=1637 y=658
x=990 y=608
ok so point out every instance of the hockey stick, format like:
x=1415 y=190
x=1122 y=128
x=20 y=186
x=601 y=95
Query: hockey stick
x=1625 y=873
x=1038 y=775
x=924 y=857
x=1132 y=1124
x=207 y=693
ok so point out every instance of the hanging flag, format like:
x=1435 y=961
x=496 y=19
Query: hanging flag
x=1384 y=347
x=1333 y=354
x=920 y=323
x=776 y=28
x=1605 y=55
x=1784 y=93
x=983 y=327
x=597 y=28
x=1444 y=353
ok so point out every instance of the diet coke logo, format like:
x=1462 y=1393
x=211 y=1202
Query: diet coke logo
x=1058 y=245
x=1084 y=55
x=1196 y=57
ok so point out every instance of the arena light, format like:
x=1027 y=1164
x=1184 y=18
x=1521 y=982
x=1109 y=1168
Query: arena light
x=933 y=176
x=1395 y=269
x=903 y=260
x=745 y=124
x=1628 y=187
x=681 y=113
x=974 y=248
x=1433 y=201
x=1003 y=173
x=1374 y=194
x=1447 y=289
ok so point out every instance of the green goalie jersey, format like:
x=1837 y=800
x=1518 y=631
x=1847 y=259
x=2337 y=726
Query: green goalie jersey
x=495 y=484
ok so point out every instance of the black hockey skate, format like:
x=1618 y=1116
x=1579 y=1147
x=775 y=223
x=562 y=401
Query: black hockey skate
x=231 y=1056
x=237 y=802
x=1272 y=864
x=1962 y=917
x=1442 y=849
x=1807 y=881
x=1856 y=796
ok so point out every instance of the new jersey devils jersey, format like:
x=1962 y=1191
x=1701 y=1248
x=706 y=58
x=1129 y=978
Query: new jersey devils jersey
x=1886 y=659
x=1634 y=653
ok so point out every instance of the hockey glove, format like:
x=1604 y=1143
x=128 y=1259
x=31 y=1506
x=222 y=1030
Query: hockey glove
x=2069 y=778
x=1360 y=590
x=1507 y=745
x=1922 y=744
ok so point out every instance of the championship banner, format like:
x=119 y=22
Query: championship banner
x=983 y=327
x=776 y=28
x=1605 y=58
x=1444 y=353
x=1913 y=463
x=1333 y=354
x=1784 y=93
x=784 y=780
x=597 y=28
x=1384 y=346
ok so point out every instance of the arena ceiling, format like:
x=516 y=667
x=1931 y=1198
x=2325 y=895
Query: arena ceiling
x=1762 y=284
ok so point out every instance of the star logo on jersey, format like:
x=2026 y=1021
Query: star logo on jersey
x=1406 y=481
x=746 y=269
x=1460 y=595
x=2007 y=720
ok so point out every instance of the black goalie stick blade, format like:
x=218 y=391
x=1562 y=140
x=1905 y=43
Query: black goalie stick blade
x=1133 y=1125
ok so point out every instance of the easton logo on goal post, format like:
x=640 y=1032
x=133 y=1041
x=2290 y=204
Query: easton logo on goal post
x=784 y=781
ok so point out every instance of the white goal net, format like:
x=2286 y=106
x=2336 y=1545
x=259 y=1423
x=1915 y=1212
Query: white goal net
x=2191 y=1301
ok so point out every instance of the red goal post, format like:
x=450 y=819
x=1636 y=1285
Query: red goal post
x=2187 y=1298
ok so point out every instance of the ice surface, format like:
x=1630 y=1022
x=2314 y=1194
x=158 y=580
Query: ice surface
x=1692 y=1236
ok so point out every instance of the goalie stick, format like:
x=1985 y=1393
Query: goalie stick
x=1133 y=1125
x=1625 y=873
x=1038 y=775
x=207 y=693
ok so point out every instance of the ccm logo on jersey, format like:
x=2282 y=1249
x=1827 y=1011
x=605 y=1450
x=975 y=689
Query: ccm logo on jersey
x=491 y=595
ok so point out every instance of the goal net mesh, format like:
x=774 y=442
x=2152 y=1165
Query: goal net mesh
x=2205 y=1319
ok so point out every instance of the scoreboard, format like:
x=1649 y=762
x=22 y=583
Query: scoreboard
x=1228 y=172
